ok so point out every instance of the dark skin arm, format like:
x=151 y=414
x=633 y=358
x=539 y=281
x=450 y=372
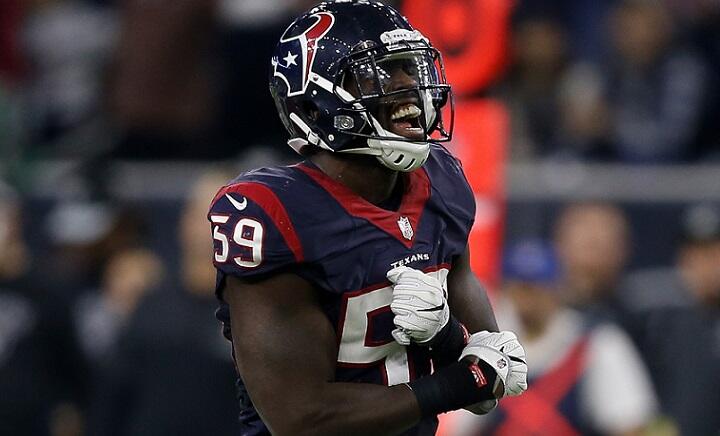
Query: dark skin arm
x=469 y=302
x=467 y=298
x=286 y=351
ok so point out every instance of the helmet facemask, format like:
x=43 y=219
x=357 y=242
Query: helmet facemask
x=399 y=92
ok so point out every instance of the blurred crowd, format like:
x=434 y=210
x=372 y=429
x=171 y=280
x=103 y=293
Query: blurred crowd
x=610 y=350
x=100 y=336
x=621 y=81
x=106 y=306
x=624 y=80
x=98 y=79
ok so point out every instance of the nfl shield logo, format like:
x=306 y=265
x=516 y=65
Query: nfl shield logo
x=406 y=228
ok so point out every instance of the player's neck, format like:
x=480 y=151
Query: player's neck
x=362 y=174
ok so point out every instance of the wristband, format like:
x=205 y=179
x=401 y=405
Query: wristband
x=453 y=387
x=448 y=344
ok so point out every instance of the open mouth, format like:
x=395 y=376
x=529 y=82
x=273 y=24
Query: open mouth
x=405 y=121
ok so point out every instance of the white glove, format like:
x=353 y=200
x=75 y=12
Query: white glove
x=504 y=354
x=420 y=305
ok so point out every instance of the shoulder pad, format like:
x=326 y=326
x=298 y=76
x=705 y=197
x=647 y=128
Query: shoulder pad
x=449 y=181
x=253 y=234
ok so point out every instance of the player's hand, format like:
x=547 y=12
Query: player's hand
x=420 y=306
x=505 y=355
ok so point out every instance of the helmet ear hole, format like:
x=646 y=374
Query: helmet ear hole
x=311 y=110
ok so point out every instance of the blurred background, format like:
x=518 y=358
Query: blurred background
x=589 y=131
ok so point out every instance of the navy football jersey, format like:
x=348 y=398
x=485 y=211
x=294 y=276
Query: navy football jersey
x=296 y=218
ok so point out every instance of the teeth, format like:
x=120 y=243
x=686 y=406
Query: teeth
x=407 y=111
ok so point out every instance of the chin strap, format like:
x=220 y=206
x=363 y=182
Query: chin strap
x=400 y=155
x=312 y=137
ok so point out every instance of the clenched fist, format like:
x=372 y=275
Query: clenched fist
x=420 y=305
x=503 y=352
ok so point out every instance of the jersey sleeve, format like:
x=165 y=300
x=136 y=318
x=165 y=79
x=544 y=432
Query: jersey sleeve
x=253 y=235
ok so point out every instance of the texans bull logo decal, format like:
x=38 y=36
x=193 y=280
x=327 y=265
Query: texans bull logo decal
x=286 y=65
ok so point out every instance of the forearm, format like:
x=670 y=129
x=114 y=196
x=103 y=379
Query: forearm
x=473 y=308
x=469 y=302
x=342 y=408
x=352 y=408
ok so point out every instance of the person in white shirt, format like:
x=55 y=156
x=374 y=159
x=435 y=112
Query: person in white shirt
x=584 y=377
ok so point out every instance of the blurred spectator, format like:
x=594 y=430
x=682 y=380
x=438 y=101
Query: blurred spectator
x=583 y=21
x=100 y=315
x=10 y=131
x=682 y=319
x=593 y=243
x=185 y=83
x=556 y=107
x=248 y=35
x=657 y=88
x=583 y=116
x=530 y=91
x=12 y=72
x=11 y=59
x=260 y=13
x=83 y=235
x=162 y=79
x=172 y=374
x=42 y=377
x=648 y=98
x=699 y=256
x=585 y=377
x=701 y=18
x=67 y=44
x=161 y=90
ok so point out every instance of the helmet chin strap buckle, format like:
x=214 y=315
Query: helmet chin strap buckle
x=313 y=138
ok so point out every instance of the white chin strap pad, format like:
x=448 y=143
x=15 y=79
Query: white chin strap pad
x=398 y=155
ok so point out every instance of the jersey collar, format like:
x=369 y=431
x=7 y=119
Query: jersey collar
x=394 y=223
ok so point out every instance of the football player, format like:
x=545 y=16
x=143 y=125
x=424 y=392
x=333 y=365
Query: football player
x=344 y=280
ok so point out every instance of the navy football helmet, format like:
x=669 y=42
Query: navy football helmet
x=353 y=76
